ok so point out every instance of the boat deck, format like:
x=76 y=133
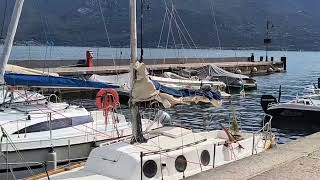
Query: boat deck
x=298 y=159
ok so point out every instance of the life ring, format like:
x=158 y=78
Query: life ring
x=107 y=99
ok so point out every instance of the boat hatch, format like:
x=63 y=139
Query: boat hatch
x=172 y=132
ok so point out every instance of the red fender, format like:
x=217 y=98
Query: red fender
x=108 y=100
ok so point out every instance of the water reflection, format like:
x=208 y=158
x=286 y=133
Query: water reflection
x=303 y=70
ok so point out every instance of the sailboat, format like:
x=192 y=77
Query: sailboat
x=170 y=152
x=38 y=135
x=167 y=81
x=233 y=81
x=184 y=83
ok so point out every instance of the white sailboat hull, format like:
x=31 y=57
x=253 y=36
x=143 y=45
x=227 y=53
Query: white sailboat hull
x=175 y=154
x=184 y=83
x=191 y=84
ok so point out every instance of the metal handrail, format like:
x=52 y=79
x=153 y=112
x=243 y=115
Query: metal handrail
x=49 y=98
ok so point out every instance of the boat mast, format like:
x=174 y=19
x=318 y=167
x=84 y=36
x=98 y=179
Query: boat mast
x=267 y=40
x=141 y=30
x=11 y=32
x=134 y=109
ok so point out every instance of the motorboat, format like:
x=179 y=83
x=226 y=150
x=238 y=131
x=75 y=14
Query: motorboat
x=301 y=107
x=304 y=108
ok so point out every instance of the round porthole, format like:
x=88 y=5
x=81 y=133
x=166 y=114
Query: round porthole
x=181 y=163
x=205 y=157
x=150 y=168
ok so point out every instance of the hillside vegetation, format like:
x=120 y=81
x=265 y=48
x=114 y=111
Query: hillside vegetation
x=240 y=23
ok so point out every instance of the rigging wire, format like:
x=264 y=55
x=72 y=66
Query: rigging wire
x=16 y=150
x=162 y=27
x=171 y=33
x=141 y=30
x=185 y=28
x=4 y=17
x=107 y=35
x=166 y=15
x=44 y=26
x=171 y=26
x=181 y=30
x=215 y=23
x=178 y=20
x=104 y=23
x=168 y=34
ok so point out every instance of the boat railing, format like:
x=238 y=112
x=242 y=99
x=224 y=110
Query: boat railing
x=266 y=126
x=53 y=95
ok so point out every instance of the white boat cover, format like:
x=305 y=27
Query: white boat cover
x=174 y=76
x=215 y=71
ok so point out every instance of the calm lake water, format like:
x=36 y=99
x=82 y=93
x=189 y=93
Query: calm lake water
x=303 y=68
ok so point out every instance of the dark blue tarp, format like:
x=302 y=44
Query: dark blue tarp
x=211 y=95
x=14 y=79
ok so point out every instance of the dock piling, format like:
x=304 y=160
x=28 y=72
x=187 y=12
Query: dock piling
x=284 y=61
x=261 y=58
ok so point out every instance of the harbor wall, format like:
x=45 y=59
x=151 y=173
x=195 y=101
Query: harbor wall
x=157 y=66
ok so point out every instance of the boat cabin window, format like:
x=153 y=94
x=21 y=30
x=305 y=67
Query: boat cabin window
x=55 y=124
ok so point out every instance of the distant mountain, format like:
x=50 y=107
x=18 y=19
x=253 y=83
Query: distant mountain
x=240 y=23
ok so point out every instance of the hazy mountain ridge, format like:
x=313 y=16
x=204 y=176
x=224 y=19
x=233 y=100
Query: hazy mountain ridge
x=240 y=23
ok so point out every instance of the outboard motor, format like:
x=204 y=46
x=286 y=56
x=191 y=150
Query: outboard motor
x=266 y=100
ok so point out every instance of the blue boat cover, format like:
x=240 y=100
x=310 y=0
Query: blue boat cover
x=211 y=95
x=15 y=79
